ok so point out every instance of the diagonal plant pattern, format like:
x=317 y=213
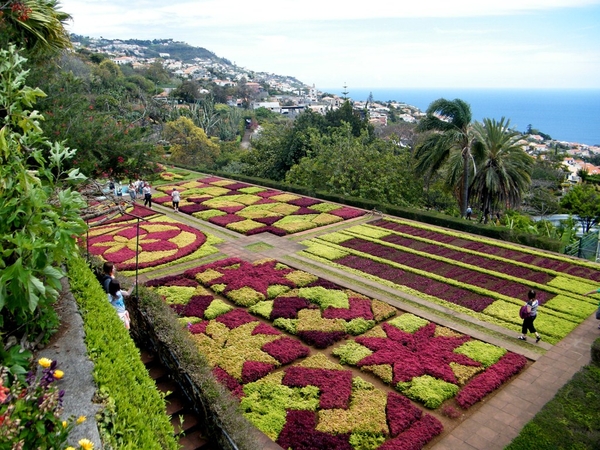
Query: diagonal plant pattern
x=249 y=209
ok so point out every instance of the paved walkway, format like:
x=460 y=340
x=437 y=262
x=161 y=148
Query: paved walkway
x=498 y=419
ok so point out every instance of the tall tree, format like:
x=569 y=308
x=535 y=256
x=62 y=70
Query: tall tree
x=189 y=144
x=504 y=170
x=449 y=122
x=583 y=200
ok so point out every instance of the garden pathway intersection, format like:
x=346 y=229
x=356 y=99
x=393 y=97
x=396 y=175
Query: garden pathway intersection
x=498 y=419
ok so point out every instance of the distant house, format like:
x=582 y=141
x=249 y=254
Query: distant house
x=122 y=60
x=271 y=106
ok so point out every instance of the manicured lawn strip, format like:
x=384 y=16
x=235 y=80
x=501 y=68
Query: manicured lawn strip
x=544 y=260
x=569 y=420
x=463 y=271
x=561 y=280
x=433 y=299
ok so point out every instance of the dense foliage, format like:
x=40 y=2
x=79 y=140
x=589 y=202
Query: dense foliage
x=40 y=211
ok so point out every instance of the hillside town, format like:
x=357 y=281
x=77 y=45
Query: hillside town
x=294 y=96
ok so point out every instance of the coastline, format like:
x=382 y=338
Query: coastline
x=567 y=115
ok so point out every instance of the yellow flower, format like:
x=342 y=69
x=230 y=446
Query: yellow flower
x=70 y=448
x=86 y=444
x=58 y=374
x=64 y=424
x=45 y=362
x=81 y=419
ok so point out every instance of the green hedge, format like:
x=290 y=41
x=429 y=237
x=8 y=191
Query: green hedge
x=431 y=217
x=134 y=415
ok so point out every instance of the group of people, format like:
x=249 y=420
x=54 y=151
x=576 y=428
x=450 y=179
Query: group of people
x=116 y=295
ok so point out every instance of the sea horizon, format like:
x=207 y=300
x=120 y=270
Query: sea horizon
x=567 y=115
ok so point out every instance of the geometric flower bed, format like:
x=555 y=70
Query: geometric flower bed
x=317 y=311
x=249 y=209
x=299 y=397
x=479 y=282
x=312 y=404
x=161 y=241
x=317 y=404
x=429 y=363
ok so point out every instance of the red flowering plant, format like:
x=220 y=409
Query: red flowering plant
x=154 y=243
x=430 y=363
x=318 y=404
x=319 y=312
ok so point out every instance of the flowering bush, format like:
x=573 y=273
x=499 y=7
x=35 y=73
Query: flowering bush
x=30 y=411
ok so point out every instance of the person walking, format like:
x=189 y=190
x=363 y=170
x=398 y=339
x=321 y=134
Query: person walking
x=147 y=195
x=595 y=291
x=531 y=307
x=175 y=199
x=469 y=212
x=132 y=192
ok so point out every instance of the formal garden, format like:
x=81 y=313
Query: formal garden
x=312 y=362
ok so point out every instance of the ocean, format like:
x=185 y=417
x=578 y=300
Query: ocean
x=571 y=115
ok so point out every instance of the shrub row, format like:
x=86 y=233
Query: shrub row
x=134 y=414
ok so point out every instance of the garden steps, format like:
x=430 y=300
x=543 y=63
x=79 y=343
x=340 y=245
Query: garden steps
x=186 y=423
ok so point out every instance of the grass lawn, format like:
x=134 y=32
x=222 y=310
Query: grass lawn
x=571 y=420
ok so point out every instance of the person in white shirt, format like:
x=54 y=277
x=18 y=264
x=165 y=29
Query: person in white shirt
x=175 y=199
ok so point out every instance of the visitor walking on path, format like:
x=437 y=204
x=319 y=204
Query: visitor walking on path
x=595 y=291
x=531 y=313
x=469 y=212
x=175 y=198
x=131 y=190
x=147 y=195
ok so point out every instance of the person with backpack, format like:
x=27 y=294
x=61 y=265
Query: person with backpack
x=108 y=273
x=528 y=313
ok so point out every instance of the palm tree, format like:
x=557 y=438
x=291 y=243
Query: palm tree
x=504 y=169
x=450 y=122
x=36 y=25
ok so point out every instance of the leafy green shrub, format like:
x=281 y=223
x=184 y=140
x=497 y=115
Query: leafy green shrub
x=40 y=214
x=408 y=322
x=432 y=392
x=216 y=308
x=325 y=297
x=486 y=354
x=139 y=419
x=351 y=352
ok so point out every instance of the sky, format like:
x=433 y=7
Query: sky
x=552 y=44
